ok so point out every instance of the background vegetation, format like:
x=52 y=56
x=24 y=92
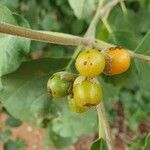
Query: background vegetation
x=24 y=93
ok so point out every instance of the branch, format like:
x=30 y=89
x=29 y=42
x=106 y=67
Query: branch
x=139 y=56
x=57 y=38
x=43 y=36
x=61 y=38
x=100 y=13
x=123 y=7
x=104 y=124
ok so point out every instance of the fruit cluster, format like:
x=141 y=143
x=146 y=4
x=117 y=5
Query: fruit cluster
x=85 y=91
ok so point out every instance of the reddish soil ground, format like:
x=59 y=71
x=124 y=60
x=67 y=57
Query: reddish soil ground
x=33 y=137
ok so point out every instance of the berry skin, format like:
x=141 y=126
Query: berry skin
x=90 y=63
x=59 y=84
x=74 y=107
x=87 y=93
x=117 y=60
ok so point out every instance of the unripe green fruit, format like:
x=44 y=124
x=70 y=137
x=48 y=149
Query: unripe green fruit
x=74 y=107
x=87 y=93
x=59 y=84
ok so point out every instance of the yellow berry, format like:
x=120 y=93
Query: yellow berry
x=90 y=63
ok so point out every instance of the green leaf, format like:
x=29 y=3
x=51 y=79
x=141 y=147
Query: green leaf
x=13 y=122
x=69 y=124
x=131 y=101
x=147 y=143
x=77 y=26
x=19 y=144
x=101 y=31
x=144 y=67
x=25 y=93
x=5 y=135
x=137 y=143
x=50 y=22
x=1 y=86
x=128 y=32
x=58 y=141
x=144 y=47
x=6 y=15
x=127 y=22
x=99 y=144
x=83 y=8
x=144 y=23
x=124 y=38
x=11 y=4
x=12 y=49
x=108 y=86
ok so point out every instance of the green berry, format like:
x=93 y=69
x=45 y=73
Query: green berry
x=74 y=107
x=59 y=84
x=87 y=92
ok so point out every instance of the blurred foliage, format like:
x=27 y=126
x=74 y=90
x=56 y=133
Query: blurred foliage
x=82 y=8
x=137 y=143
x=147 y=142
x=13 y=122
x=4 y=136
x=11 y=54
x=99 y=144
x=25 y=95
x=18 y=144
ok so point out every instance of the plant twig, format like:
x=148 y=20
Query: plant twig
x=48 y=37
x=100 y=13
x=123 y=7
x=103 y=118
x=101 y=124
x=54 y=37
x=60 y=38
x=78 y=49
x=139 y=56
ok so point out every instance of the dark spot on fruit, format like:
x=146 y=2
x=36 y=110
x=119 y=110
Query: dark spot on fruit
x=115 y=48
x=49 y=91
x=112 y=48
x=87 y=51
x=119 y=47
x=91 y=64
x=89 y=105
x=85 y=62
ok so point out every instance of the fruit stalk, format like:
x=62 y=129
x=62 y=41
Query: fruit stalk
x=104 y=128
x=99 y=14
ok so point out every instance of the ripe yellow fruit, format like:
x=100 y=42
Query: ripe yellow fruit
x=90 y=63
x=117 y=60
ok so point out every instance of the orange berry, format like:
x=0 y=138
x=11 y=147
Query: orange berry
x=117 y=60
